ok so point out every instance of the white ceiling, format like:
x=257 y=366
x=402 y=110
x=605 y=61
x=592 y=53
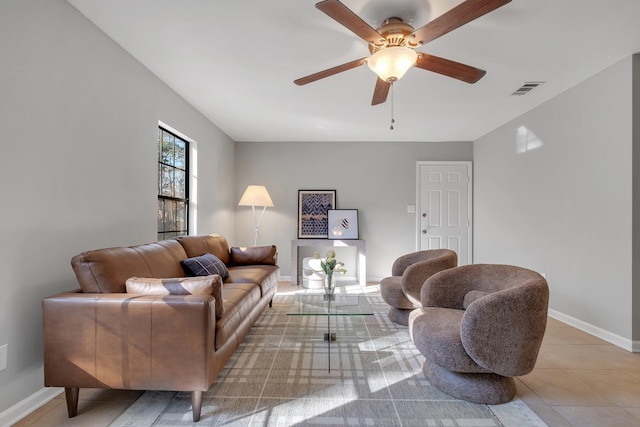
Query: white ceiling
x=235 y=61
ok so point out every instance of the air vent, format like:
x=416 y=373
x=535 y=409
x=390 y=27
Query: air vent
x=526 y=88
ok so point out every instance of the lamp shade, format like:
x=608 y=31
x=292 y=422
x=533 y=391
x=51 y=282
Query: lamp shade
x=256 y=195
x=391 y=63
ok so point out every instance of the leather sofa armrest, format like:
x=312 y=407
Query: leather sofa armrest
x=253 y=255
x=128 y=341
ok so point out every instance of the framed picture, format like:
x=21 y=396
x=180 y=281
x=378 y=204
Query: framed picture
x=313 y=206
x=343 y=223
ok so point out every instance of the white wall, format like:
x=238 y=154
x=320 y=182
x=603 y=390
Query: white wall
x=78 y=120
x=378 y=179
x=565 y=208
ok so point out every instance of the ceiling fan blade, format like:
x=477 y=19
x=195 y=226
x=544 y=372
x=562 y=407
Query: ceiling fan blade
x=449 y=68
x=330 y=72
x=462 y=14
x=380 y=92
x=349 y=19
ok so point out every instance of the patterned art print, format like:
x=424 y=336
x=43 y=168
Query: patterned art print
x=313 y=206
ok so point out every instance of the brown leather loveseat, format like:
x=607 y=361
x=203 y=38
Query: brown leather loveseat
x=162 y=334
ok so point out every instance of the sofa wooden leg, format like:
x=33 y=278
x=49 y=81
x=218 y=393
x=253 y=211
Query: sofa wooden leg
x=196 y=405
x=271 y=304
x=71 y=395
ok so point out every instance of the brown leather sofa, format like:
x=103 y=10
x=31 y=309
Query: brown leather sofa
x=100 y=336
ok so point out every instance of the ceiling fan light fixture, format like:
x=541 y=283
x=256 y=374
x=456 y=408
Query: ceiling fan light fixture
x=391 y=63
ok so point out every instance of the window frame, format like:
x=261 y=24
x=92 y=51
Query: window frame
x=164 y=233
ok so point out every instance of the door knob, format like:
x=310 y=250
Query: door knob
x=424 y=215
x=424 y=231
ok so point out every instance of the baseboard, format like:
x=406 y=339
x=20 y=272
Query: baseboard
x=26 y=406
x=617 y=340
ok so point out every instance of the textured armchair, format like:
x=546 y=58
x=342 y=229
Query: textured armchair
x=408 y=273
x=480 y=325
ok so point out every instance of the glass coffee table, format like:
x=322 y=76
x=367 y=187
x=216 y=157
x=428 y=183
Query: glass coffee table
x=309 y=303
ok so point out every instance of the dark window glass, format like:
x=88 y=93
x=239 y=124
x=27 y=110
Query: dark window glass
x=173 y=185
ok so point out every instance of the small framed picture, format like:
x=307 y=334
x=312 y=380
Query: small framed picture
x=313 y=206
x=343 y=223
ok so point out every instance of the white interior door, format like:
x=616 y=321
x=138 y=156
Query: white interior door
x=444 y=207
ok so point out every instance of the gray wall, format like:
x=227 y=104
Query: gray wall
x=79 y=123
x=378 y=179
x=565 y=208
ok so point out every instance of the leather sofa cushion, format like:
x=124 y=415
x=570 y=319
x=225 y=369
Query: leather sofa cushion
x=214 y=244
x=256 y=255
x=205 y=265
x=203 y=285
x=238 y=299
x=106 y=270
x=266 y=276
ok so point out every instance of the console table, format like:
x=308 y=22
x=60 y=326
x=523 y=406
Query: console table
x=361 y=261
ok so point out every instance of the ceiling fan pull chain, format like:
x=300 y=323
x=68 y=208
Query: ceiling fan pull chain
x=392 y=119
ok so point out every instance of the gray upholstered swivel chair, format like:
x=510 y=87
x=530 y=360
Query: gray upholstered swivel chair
x=402 y=290
x=480 y=325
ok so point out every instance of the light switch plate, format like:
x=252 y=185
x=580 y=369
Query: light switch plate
x=411 y=208
x=3 y=357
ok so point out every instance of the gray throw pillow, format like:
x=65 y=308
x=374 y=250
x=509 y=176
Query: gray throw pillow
x=205 y=265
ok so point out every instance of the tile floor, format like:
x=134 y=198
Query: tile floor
x=579 y=381
x=582 y=381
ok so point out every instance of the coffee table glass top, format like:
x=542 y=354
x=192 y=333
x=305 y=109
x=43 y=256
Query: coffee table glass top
x=309 y=303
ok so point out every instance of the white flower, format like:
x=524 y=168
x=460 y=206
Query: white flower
x=329 y=264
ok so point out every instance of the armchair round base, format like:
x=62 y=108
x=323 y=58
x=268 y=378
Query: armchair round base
x=487 y=388
x=399 y=316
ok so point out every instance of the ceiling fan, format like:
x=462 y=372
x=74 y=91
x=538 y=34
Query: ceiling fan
x=392 y=46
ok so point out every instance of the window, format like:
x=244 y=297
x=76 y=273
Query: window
x=173 y=185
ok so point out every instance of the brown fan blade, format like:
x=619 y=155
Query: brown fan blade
x=329 y=72
x=449 y=68
x=349 y=19
x=380 y=92
x=462 y=14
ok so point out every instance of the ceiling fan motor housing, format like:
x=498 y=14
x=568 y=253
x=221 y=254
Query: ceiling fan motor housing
x=395 y=33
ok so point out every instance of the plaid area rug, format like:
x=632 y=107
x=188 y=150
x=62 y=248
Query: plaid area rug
x=279 y=377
